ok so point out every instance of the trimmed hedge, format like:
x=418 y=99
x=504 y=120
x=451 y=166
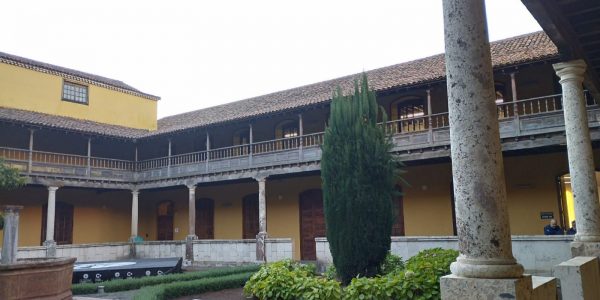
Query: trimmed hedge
x=136 y=283
x=186 y=288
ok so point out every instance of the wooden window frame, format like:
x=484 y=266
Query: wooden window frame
x=69 y=83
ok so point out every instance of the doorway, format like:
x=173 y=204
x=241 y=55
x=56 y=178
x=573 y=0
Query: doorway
x=164 y=221
x=63 y=223
x=312 y=222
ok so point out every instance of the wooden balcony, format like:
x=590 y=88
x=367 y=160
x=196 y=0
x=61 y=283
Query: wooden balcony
x=524 y=118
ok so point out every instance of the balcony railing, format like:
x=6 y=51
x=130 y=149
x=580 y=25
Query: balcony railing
x=507 y=110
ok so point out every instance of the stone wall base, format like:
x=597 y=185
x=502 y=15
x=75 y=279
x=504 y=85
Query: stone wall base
x=579 y=278
x=585 y=249
x=454 y=287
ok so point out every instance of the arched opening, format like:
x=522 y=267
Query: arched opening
x=312 y=222
x=205 y=218
x=63 y=223
x=164 y=221
x=250 y=216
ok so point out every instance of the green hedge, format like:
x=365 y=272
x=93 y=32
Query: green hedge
x=186 y=288
x=136 y=283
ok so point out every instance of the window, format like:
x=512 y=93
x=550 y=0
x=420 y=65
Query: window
x=410 y=110
x=289 y=130
x=75 y=92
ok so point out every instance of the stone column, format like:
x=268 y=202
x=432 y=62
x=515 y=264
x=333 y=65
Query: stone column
x=581 y=159
x=477 y=166
x=49 y=242
x=261 y=254
x=134 y=214
x=189 y=245
x=10 y=241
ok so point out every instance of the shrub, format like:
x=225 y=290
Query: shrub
x=186 y=288
x=359 y=175
x=436 y=259
x=136 y=283
x=290 y=280
x=391 y=264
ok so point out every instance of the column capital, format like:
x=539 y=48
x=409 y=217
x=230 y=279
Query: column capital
x=135 y=192
x=261 y=178
x=191 y=187
x=570 y=70
x=53 y=188
x=11 y=208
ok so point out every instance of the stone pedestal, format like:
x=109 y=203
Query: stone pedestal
x=261 y=253
x=544 y=288
x=50 y=248
x=454 y=287
x=579 y=278
x=189 y=247
x=10 y=240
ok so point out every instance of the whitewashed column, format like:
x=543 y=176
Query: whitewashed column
x=50 y=215
x=477 y=164
x=192 y=212
x=261 y=254
x=134 y=213
x=581 y=157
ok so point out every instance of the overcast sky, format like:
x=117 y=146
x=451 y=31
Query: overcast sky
x=196 y=54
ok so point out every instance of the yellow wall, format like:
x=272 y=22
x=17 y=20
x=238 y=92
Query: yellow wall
x=35 y=91
x=97 y=217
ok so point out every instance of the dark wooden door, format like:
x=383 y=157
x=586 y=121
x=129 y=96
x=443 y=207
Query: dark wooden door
x=63 y=223
x=398 y=227
x=250 y=216
x=205 y=217
x=164 y=221
x=312 y=222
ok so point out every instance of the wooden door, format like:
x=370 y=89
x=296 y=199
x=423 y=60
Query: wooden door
x=63 y=223
x=164 y=221
x=398 y=227
x=205 y=216
x=250 y=216
x=312 y=222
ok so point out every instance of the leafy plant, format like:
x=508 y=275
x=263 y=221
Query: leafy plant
x=291 y=280
x=391 y=264
x=359 y=175
x=10 y=178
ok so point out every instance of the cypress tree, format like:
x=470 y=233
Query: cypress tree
x=358 y=173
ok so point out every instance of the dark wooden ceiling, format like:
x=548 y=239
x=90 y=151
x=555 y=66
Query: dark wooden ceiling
x=574 y=26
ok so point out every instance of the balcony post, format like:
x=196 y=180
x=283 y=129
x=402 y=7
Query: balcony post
x=135 y=158
x=207 y=150
x=486 y=263
x=513 y=88
x=251 y=140
x=30 y=159
x=429 y=120
x=169 y=160
x=301 y=133
x=261 y=237
x=581 y=159
x=50 y=215
x=89 y=157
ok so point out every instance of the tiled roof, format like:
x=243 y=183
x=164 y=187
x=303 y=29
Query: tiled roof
x=73 y=75
x=512 y=51
x=12 y=115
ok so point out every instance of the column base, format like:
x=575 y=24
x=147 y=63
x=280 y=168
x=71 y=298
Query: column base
x=456 y=287
x=189 y=247
x=486 y=268
x=50 y=248
x=582 y=248
x=261 y=254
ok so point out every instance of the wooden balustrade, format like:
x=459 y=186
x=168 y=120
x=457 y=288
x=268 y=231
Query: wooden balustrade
x=505 y=110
